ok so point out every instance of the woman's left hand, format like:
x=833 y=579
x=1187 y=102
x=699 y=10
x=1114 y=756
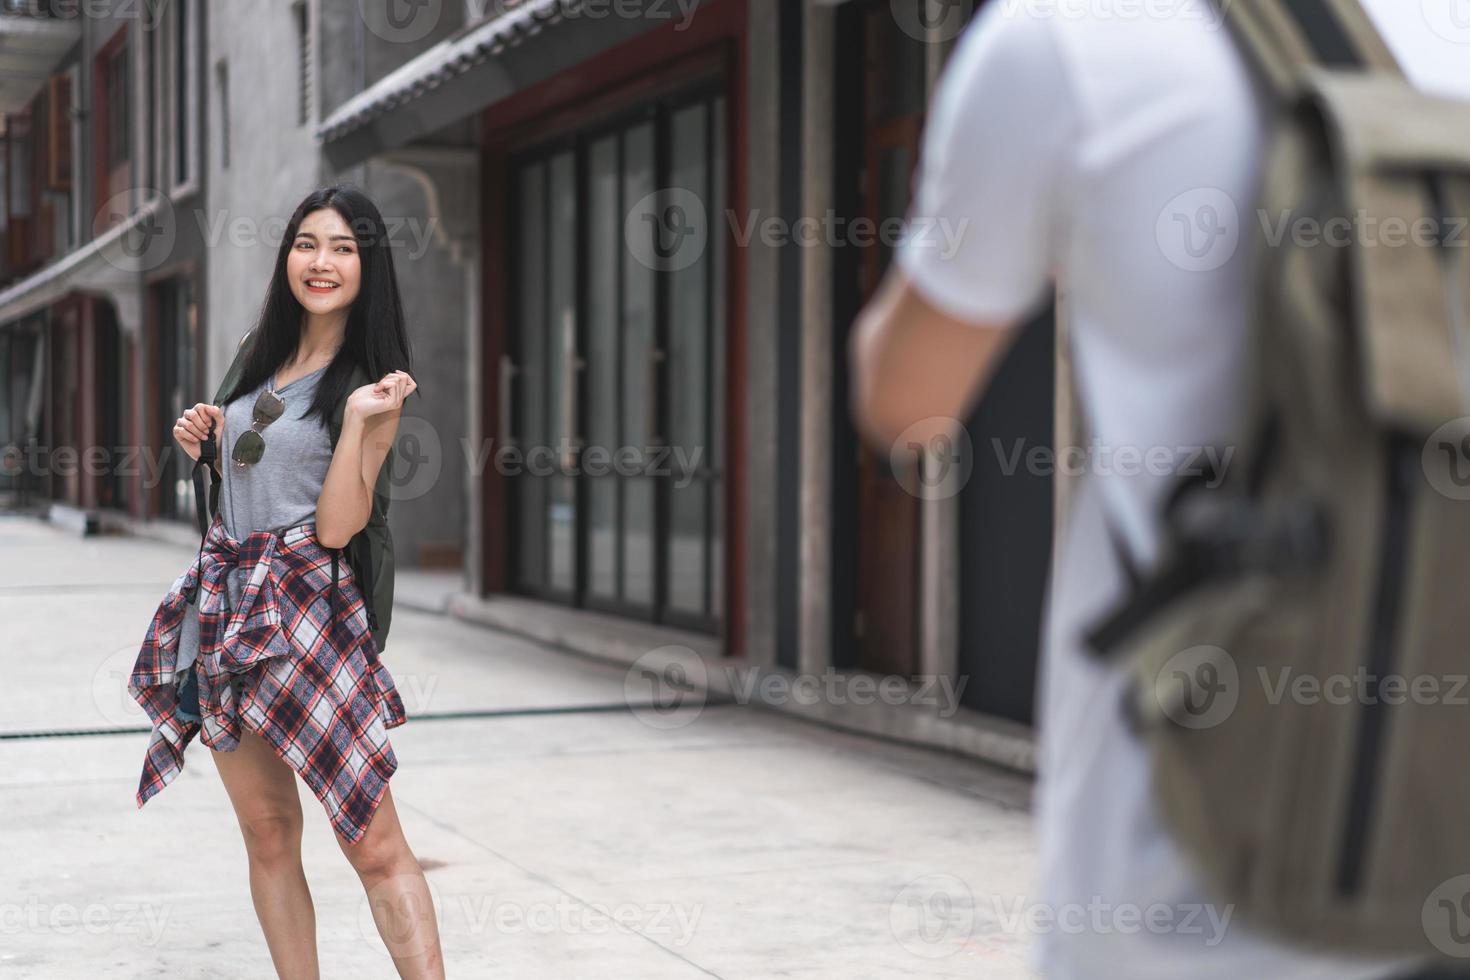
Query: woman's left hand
x=383 y=395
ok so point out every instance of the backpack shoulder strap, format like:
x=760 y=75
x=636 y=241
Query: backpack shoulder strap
x=1284 y=38
x=232 y=375
x=367 y=551
x=233 y=372
x=204 y=466
x=334 y=424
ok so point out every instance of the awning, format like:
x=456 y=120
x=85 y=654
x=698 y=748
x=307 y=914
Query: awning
x=112 y=265
x=482 y=65
x=31 y=48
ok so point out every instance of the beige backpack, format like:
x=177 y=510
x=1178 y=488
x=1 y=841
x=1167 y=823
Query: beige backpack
x=1301 y=654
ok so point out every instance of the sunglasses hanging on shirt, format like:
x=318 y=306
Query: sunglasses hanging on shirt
x=250 y=447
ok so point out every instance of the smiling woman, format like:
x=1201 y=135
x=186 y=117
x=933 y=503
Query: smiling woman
x=251 y=648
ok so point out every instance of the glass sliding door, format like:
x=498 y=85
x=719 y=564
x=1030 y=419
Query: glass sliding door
x=529 y=411
x=638 y=395
x=693 y=386
x=618 y=400
x=561 y=372
x=603 y=329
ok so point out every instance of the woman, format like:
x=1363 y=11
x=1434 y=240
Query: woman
x=280 y=677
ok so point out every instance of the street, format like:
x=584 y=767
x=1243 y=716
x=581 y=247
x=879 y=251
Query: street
x=564 y=831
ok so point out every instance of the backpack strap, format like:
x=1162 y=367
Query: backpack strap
x=1286 y=40
x=231 y=378
x=203 y=469
x=358 y=552
x=206 y=501
x=1286 y=37
x=363 y=570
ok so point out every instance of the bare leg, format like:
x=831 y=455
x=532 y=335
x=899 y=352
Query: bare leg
x=262 y=788
x=398 y=894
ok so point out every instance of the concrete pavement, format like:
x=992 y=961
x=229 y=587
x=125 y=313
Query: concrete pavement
x=565 y=829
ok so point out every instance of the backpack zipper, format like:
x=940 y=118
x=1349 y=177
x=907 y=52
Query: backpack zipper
x=1401 y=457
x=1454 y=287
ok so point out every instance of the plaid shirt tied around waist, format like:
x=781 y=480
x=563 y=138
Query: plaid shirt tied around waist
x=320 y=696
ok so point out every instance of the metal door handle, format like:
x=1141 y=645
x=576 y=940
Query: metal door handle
x=508 y=372
x=656 y=359
x=571 y=367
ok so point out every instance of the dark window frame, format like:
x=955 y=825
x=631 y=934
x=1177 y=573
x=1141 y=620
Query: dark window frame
x=711 y=90
x=119 y=109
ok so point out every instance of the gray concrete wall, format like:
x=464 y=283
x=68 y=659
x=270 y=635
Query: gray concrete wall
x=364 y=50
x=436 y=203
x=274 y=164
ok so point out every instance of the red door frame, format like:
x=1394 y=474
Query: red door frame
x=622 y=76
x=889 y=540
x=100 y=174
x=68 y=353
x=149 y=351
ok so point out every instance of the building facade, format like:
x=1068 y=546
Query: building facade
x=633 y=238
x=649 y=176
x=100 y=340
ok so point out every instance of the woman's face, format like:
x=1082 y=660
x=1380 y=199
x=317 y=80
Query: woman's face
x=323 y=267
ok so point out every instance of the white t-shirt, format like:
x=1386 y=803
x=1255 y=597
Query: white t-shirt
x=1121 y=152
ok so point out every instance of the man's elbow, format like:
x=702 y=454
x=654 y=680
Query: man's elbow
x=888 y=418
x=878 y=414
x=888 y=405
x=875 y=404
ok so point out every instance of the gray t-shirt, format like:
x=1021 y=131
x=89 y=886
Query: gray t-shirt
x=283 y=487
x=278 y=491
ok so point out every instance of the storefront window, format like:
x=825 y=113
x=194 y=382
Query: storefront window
x=618 y=325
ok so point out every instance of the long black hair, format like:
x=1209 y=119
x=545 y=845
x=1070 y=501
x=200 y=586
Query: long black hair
x=376 y=337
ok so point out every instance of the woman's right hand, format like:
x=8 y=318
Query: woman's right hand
x=192 y=428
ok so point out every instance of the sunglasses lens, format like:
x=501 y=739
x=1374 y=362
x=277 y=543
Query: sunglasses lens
x=268 y=408
x=249 y=448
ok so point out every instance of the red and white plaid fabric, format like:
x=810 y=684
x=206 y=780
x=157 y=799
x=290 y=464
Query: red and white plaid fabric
x=321 y=698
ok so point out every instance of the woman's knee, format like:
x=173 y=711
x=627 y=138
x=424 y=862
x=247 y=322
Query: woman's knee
x=378 y=856
x=272 y=836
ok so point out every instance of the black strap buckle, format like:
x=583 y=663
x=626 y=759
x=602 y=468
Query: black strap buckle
x=1216 y=541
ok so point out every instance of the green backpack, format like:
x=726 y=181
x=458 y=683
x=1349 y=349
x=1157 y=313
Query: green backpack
x=370 y=551
x=1299 y=657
